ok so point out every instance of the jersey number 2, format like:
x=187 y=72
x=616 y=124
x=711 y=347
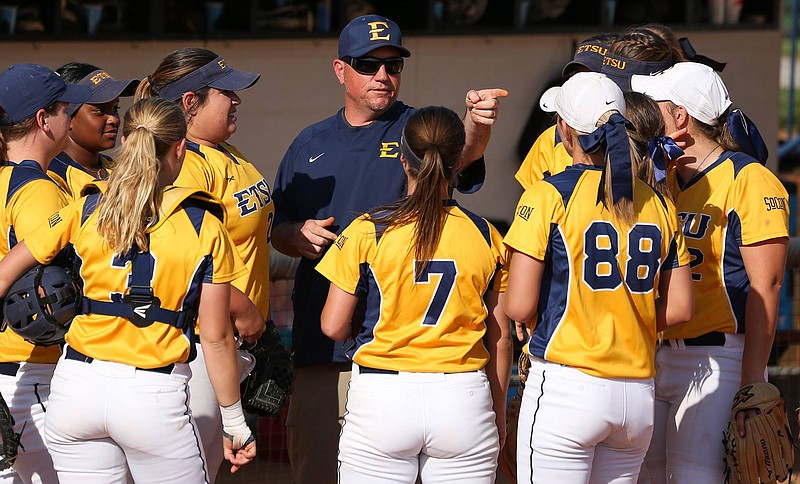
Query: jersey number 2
x=601 y=248
x=448 y=271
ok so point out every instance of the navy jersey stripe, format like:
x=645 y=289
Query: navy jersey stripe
x=191 y=301
x=554 y=293
x=195 y=212
x=22 y=174
x=194 y=148
x=12 y=237
x=671 y=259
x=89 y=206
x=557 y=138
x=737 y=284
x=566 y=181
x=60 y=164
x=740 y=160
x=367 y=287
x=481 y=224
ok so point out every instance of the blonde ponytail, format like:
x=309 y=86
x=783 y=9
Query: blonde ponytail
x=131 y=202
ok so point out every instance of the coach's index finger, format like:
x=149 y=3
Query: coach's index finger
x=475 y=96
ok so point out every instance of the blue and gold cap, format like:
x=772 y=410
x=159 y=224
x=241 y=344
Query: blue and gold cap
x=367 y=33
x=104 y=89
x=27 y=88
x=217 y=74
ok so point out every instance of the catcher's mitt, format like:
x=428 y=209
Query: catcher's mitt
x=267 y=388
x=9 y=441
x=766 y=452
x=507 y=460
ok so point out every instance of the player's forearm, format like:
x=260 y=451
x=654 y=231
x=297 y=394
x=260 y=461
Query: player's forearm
x=284 y=237
x=761 y=318
x=501 y=350
x=248 y=320
x=765 y=263
x=216 y=339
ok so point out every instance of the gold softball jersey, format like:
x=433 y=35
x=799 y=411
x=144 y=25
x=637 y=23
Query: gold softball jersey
x=434 y=322
x=596 y=309
x=30 y=198
x=736 y=201
x=547 y=157
x=225 y=173
x=70 y=176
x=188 y=247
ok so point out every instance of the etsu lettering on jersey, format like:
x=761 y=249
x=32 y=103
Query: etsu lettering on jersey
x=775 y=203
x=389 y=149
x=253 y=198
x=695 y=226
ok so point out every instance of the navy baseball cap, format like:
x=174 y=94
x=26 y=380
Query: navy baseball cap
x=217 y=74
x=27 y=88
x=620 y=69
x=589 y=55
x=104 y=89
x=367 y=33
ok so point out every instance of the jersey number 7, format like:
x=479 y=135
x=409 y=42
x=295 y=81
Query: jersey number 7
x=447 y=271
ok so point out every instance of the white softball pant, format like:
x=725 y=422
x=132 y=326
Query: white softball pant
x=575 y=428
x=103 y=415
x=438 y=425
x=26 y=389
x=695 y=386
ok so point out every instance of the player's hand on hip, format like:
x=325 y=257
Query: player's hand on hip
x=483 y=105
x=313 y=237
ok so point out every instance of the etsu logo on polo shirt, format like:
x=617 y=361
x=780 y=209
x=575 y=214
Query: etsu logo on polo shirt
x=99 y=77
x=615 y=63
x=390 y=149
x=376 y=29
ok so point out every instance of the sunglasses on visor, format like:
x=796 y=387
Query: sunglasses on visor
x=371 y=65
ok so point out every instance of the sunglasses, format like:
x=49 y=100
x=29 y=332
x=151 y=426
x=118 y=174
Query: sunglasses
x=371 y=65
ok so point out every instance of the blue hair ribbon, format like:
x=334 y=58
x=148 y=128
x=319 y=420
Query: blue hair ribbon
x=747 y=136
x=661 y=149
x=613 y=135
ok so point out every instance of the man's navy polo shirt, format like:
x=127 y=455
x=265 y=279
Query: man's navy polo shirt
x=336 y=170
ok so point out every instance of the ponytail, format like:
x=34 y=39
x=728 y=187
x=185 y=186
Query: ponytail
x=432 y=141
x=131 y=202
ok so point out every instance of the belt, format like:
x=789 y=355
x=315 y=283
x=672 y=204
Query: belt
x=714 y=338
x=366 y=369
x=380 y=371
x=9 y=369
x=73 y=354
